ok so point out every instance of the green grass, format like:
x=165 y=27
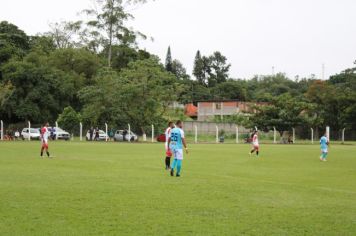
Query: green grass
x=122 y=189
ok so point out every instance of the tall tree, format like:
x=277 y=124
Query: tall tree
x=218 y=69
x=198 y=70
x=179 y=71
x=108 y=24
x=65 y=34
x=169 y=62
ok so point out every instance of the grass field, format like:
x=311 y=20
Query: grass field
x=122 y=189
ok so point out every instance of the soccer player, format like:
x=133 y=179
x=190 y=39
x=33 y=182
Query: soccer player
x=176 y=142
x=255 y=144
x=44 y=139
x=324 y=144
x=168 y=151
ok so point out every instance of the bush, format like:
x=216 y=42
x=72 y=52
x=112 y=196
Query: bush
x=69 y=120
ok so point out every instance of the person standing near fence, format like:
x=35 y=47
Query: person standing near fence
x=167 y=134
x=176 y=142
x=324 y=144
x=255 y=144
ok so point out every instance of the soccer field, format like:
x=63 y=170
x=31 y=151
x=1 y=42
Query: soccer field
x=123 y=189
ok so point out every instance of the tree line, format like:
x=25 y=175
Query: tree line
x=93 y=71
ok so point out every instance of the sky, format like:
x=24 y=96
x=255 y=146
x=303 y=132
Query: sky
x=295 y=37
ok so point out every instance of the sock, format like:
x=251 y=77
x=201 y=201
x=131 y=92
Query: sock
x=47 y=153
x=257 y=153
x=179 y=166
x=41 y=153
x=173 y=166
x=168 y=162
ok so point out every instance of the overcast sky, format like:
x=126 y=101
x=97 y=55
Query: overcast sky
x=294 y=36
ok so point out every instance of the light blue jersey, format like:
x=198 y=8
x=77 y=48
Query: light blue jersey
x=324 y=143
x=177 y=135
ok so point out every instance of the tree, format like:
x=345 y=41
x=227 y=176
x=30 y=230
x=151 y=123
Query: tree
x=199 y=70
x=69 y=119
x=65 y=34
x=39 y=93
x=169 y=62
x=147 y=91
x=218 y=69
x=229 y=90
x=122 y=55
x=139 y=95
x=107 y=27
x=13 y=42
x=6 y=90
x=76 y=60
x=283 y=113
x=179 y=71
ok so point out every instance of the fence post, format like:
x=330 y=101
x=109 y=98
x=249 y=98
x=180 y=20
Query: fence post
x=293 y=135
x=312 y=135
x=29 y=131
x=274 y=135
x=328 y=133
x=343 y=136
x=153 y=133
x=2 y=130
x=217 y=134
x=237 y=134
x=56 y=130
x=81 y=131
x=129 y=133
x=196 y=133
x=106 y=132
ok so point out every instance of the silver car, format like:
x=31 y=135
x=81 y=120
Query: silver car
x=119 y=136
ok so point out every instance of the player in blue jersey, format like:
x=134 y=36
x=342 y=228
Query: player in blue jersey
x=176 y=142
x=324 y=144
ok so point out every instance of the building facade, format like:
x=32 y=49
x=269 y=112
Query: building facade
x=209 y=110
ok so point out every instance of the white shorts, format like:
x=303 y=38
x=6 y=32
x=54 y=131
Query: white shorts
x=178 y=154
x=324 y=150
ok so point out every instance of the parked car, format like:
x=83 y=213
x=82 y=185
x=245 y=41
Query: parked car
x=33 y=134
x=102 y=135
x=161 y=138
x=61 y=134
x=119 y=136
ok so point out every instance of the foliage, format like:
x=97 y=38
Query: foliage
x=107 y=26
x=69 y=119
x=283 y=113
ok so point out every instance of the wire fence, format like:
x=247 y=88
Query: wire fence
x=196 y=132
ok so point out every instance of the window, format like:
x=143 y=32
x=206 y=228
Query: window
x=218 y=106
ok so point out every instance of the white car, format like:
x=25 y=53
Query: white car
x=61 y=134
x=33 y=134
x=102 y=136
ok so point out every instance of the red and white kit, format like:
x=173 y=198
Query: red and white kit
x=167 y=133
x=44 y=137
x=255 y=143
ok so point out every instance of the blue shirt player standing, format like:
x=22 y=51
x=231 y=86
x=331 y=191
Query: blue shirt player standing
x=324 y=144
x=176 y=142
